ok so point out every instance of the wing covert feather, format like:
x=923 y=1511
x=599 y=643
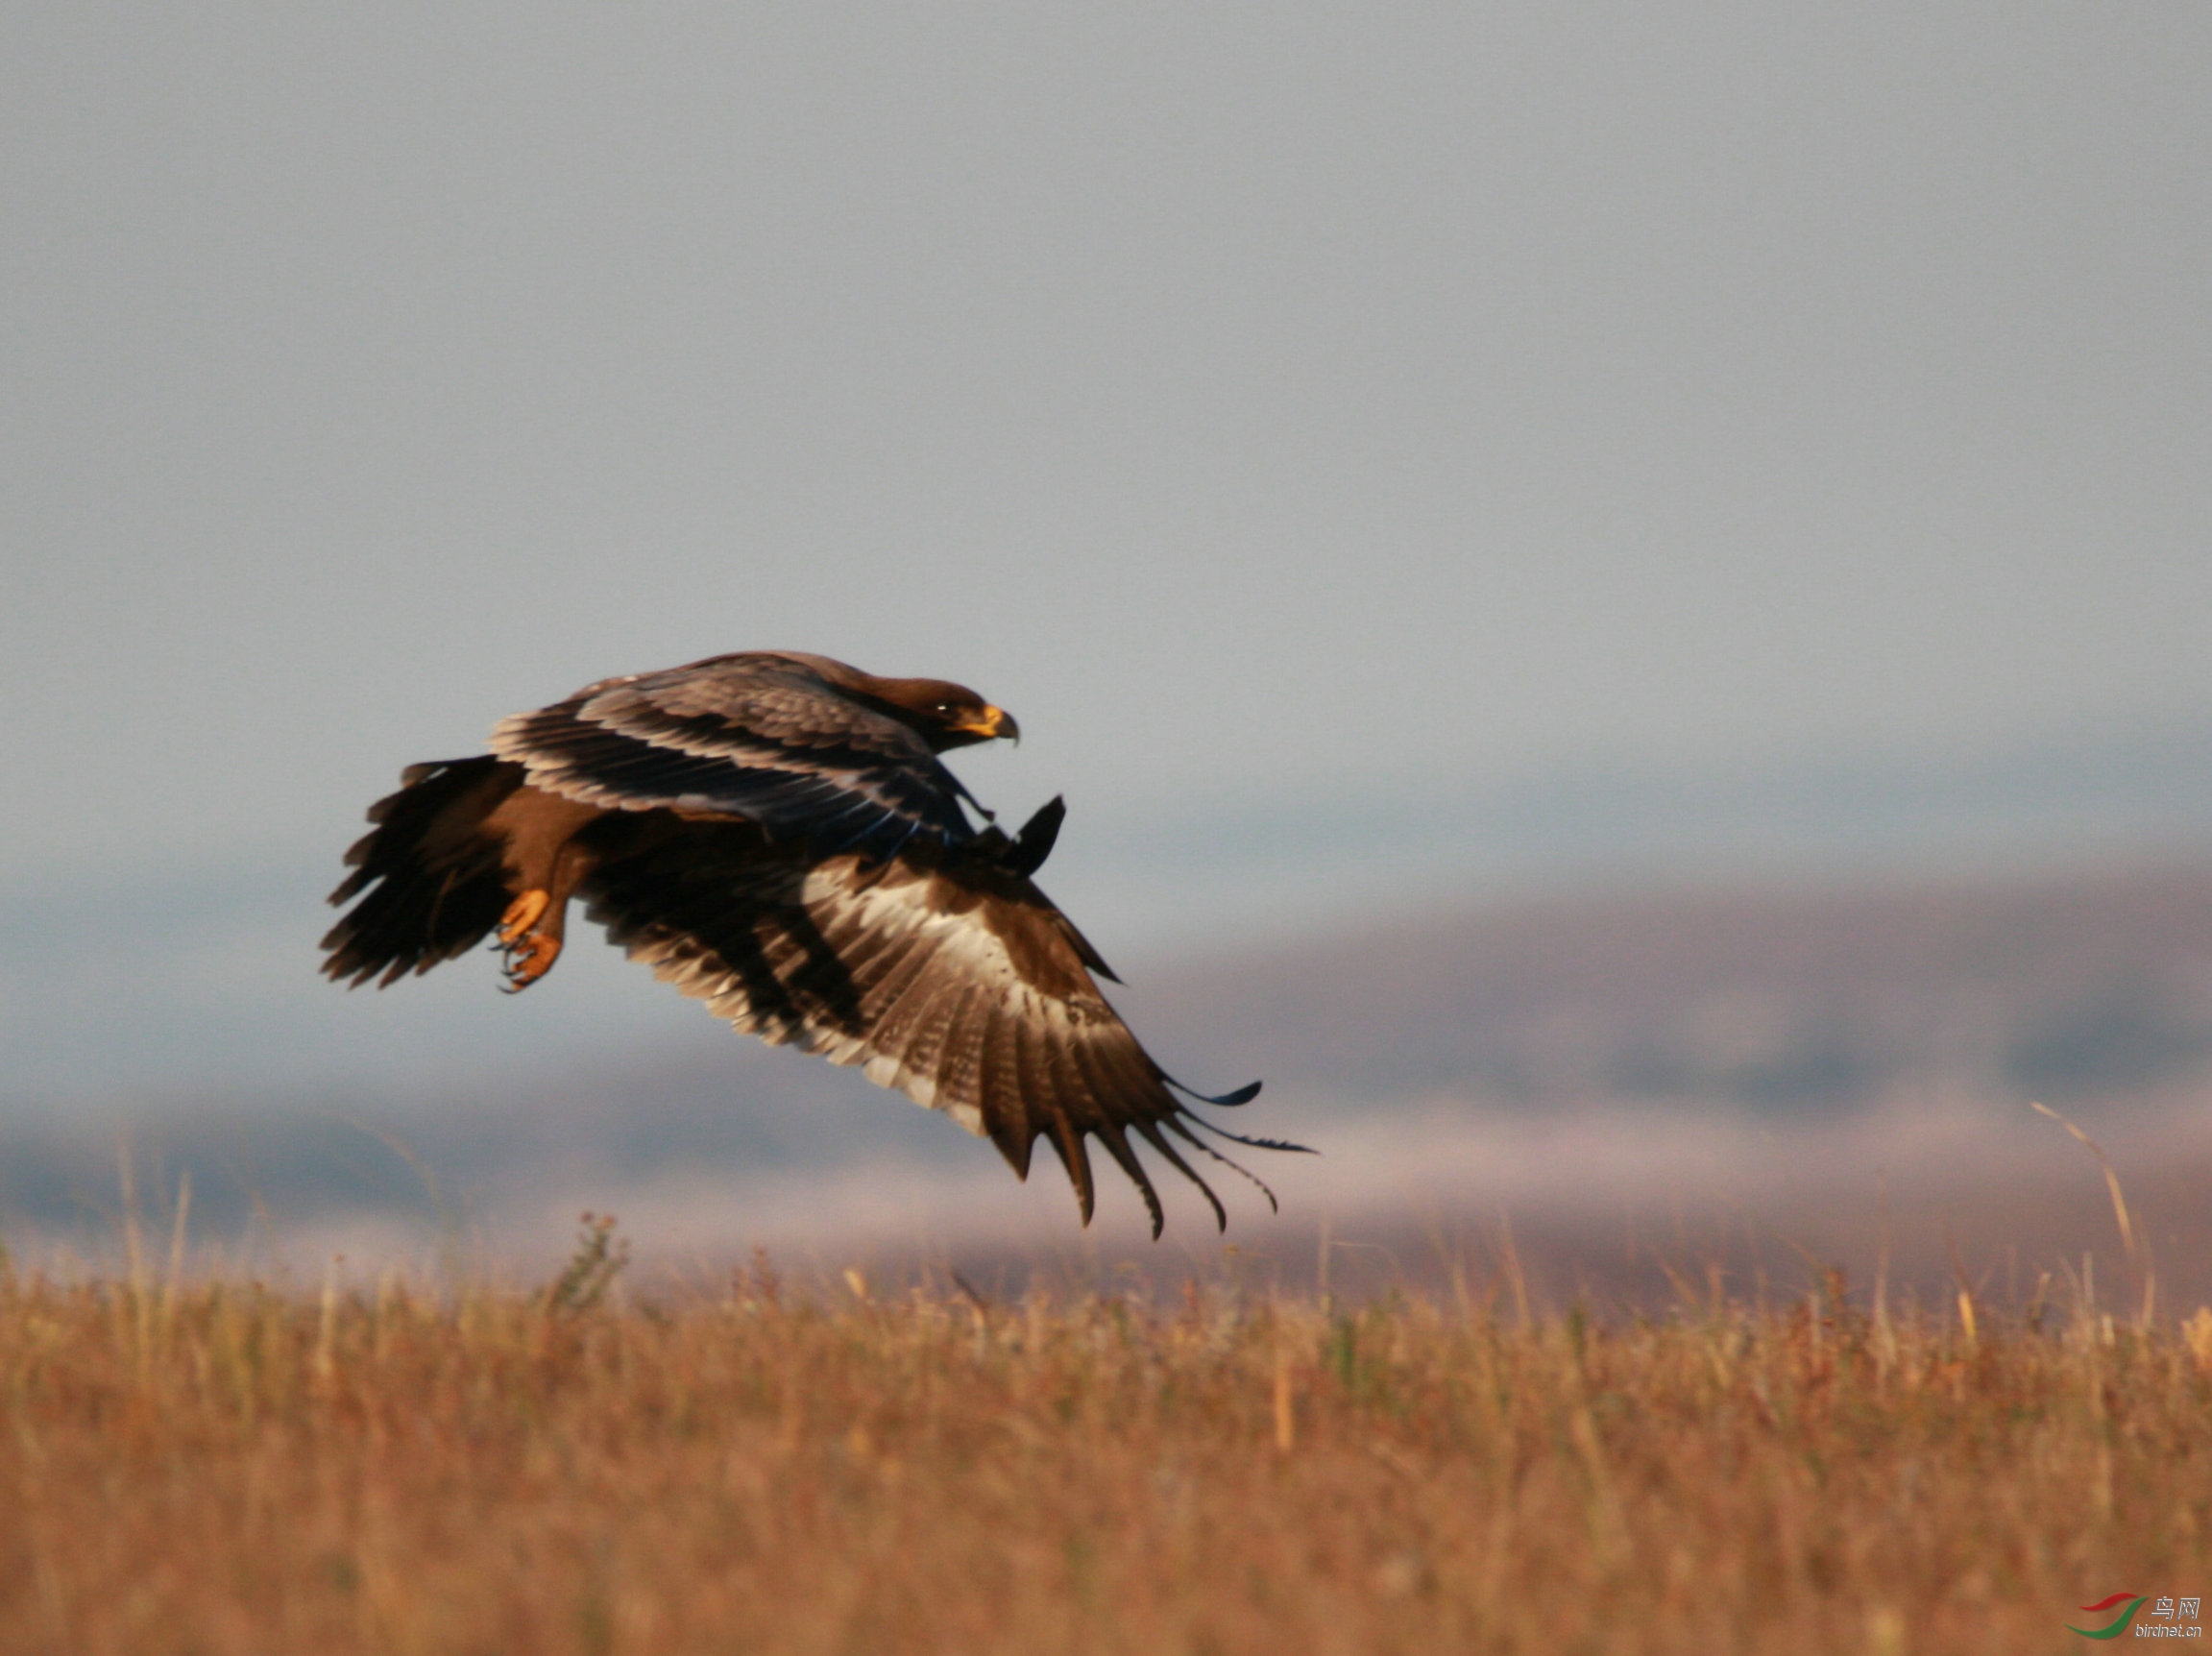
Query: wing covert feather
x=764 y=736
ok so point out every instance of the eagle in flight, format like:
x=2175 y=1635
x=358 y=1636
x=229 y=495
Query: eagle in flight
x=775 y=834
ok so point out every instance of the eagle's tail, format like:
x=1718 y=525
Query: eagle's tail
x=428 y=875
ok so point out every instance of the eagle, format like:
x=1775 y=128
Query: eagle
x=775 y=833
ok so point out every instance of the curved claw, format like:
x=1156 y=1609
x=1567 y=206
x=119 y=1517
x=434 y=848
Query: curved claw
x=528 y=958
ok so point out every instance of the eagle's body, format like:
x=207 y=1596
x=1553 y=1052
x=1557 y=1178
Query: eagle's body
x=774 y=833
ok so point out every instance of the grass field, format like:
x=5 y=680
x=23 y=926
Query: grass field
x=220 y=1467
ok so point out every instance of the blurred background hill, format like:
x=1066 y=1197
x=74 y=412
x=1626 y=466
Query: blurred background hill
x=1780 y=1052
x=1619 y=601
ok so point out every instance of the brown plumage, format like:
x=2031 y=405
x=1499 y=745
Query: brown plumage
x=775 y=835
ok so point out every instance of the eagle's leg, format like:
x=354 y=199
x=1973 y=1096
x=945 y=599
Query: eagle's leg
x=529 y=953
x=544 y=863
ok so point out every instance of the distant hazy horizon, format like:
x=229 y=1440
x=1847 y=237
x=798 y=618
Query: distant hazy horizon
x=198 y=981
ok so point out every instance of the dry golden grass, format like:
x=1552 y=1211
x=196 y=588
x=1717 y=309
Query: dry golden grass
x=223 y=1468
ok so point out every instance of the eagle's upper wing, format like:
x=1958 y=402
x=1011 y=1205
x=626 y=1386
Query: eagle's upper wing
x=945 y=974
x=762 y=735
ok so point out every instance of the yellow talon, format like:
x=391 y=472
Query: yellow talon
x=530 y=955
x=531 y=960
x=523 y=912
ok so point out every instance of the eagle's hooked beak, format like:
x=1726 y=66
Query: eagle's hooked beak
x=992 y=722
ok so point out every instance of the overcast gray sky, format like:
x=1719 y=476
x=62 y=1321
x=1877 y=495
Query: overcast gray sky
x=1255 y=398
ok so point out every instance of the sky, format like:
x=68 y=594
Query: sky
x=1279 y=408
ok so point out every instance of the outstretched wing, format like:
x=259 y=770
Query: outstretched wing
x=945 y=974
x=764 y=735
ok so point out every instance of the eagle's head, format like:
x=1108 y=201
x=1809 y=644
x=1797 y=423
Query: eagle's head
x=947 y=715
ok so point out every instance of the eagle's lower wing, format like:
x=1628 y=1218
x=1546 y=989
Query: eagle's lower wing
x=944 y=974
x=760 y=736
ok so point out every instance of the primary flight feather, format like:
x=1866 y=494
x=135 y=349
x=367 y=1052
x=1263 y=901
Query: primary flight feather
x=774 y=833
